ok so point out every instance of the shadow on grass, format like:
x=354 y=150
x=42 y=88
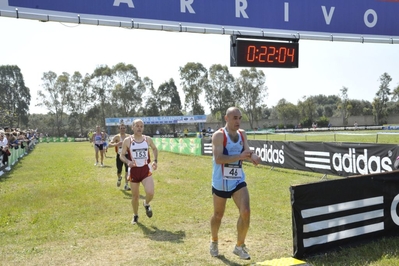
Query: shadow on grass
x=154 y=233
x=226 y=261
x=128 y=195
x=6 y=174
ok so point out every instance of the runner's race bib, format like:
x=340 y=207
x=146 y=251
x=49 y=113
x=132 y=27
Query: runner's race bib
x=232 y=172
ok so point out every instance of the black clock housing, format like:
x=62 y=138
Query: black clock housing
x=260 y=53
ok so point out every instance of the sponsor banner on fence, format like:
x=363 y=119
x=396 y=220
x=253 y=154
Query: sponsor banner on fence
x=179 y=145
x=157 y=120
x=343 y=159
x=334 y=213
x=56 y=139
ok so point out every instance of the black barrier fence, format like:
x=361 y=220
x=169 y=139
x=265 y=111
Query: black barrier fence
x=341 y=159
x=335 y=213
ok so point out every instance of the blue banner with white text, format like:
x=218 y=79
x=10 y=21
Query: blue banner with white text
x=368 y=17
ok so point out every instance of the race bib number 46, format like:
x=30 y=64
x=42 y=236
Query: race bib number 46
x=232 y=172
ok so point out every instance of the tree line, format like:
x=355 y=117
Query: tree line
x=76 y=103
x=320 y=108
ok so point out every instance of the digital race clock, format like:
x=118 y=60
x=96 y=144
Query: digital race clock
x=256 y=53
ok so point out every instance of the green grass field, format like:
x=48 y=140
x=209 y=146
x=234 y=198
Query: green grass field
x=57 y=208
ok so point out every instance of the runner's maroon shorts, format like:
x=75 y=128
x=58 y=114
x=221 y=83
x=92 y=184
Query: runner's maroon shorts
x=138 y=174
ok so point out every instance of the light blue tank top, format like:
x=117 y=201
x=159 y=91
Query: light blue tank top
x=226 y=177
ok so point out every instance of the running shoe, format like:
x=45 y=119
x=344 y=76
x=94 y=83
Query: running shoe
x=102 y=165
x=127 y=187
x=242 y=252
x=95 y=163
x=213 y=249
x=135 y=219
x=118 y=184
x=148 y=210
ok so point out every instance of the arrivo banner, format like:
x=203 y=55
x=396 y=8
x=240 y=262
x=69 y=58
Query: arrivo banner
x=358 y=17
x=342 y=159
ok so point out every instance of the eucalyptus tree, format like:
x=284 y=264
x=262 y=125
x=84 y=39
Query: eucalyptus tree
x=286 y=111
x=344 y=105
x=219 y=90
x=395 y=101
x=102 y=83
x=14 y=105
x=307 y=110
x=395 y=94
x=250 y=92
x=360 y=107
x=129 y=89
x=169 y=99
x=80 y=99
x=194 y=77
x=380 y=109
x=151 y=105
x=55 y=96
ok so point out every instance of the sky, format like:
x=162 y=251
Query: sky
x=325 y=67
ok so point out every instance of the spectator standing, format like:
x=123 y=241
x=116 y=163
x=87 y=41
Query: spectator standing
x=4 y=152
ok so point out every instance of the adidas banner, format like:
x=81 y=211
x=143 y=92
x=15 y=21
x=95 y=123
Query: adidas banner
x=342 y=159
x=334 y=213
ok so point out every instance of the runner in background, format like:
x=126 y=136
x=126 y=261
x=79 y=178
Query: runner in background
x=116 y=142
x=105 y=145
x=98 y=141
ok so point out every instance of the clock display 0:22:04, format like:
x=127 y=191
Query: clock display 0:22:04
x=267 y=54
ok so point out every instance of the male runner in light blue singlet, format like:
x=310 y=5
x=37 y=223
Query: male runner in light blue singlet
x=230 y=147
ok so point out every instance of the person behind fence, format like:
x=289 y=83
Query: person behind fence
x=117 y=142
x=4 y=152
x=140 y=166
x=230 y=147
x=13 y=141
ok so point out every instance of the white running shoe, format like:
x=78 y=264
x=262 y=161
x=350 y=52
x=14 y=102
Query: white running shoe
x=213 y=249
x=242 y=252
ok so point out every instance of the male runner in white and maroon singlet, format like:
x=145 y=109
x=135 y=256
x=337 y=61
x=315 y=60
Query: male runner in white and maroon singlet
x=140 y=166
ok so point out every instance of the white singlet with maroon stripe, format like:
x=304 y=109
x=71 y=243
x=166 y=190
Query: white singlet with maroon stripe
x=138 y=152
